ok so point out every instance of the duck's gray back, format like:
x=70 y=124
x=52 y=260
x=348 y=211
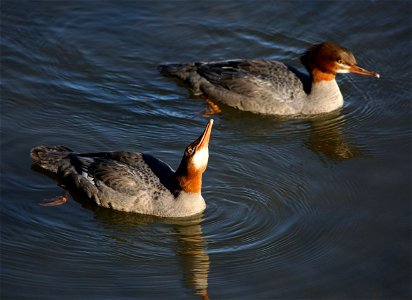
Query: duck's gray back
x=126 y=181
x=268 y=87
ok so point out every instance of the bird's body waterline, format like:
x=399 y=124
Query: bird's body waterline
x=132 y=181
x=271 y=87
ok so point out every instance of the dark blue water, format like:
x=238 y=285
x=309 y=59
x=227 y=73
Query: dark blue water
x=316 y=208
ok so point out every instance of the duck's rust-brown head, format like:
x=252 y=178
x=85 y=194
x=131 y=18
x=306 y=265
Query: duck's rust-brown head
x=324 y=60
x=194 y=162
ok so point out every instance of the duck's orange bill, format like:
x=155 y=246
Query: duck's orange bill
x=204 y=140
x=358 y=70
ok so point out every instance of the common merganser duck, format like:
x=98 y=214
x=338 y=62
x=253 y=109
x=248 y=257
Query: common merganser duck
x=132 y=181
x=271 y=87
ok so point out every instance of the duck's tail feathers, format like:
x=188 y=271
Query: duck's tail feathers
x=49 y=158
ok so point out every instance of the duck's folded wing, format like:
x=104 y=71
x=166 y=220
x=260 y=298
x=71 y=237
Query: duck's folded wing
x=250 y=78
x=117 y=176
x=123 y=172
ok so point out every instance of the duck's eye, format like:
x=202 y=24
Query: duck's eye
x=341 y=62
x=190 y=150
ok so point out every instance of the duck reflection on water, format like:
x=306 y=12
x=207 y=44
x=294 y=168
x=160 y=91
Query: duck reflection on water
x=190 y=246
x=328 y=140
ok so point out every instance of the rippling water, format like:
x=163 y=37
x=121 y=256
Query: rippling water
x=296 y=208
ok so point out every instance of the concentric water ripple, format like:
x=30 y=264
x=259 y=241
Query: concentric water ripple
x=235 y=228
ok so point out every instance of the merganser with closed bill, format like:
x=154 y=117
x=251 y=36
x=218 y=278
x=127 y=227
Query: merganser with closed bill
x=132 y=181
x=271 y=87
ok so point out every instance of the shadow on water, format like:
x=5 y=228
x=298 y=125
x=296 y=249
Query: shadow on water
x=191 y=246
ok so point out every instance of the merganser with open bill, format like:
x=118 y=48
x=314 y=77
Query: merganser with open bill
x=132 y=181
x=271 y=87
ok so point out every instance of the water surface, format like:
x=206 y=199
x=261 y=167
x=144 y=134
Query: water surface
x=315 y=208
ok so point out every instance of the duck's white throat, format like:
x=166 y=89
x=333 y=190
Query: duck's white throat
x=200 y=158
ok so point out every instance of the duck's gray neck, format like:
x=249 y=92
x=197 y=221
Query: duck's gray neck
x=325 y=96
